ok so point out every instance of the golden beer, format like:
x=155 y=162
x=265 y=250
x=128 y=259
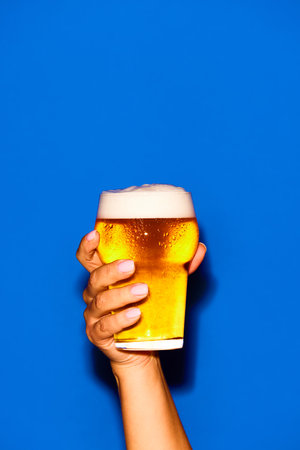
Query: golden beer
x=160 y=247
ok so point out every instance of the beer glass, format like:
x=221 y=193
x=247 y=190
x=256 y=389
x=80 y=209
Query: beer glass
x=155 y=226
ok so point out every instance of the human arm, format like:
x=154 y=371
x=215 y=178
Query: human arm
x=150 y=417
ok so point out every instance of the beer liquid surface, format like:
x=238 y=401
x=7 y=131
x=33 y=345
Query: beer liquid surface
x=160 y=249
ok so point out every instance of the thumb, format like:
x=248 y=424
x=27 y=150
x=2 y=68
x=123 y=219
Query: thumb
x=198 y=258
x=87 y=253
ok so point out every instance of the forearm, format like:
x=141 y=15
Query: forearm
x=149 y=414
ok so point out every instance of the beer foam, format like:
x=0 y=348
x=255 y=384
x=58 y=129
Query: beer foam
x=146 y=202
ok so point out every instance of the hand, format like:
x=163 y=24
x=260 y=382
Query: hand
x=101 y=325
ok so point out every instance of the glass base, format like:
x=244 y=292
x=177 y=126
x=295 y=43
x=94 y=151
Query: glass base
x=168 y=344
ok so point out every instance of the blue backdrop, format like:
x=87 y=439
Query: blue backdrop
x=100 y=95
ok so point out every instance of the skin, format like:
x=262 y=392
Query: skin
x=149 y=414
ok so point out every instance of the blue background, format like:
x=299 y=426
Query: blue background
x=100 y=95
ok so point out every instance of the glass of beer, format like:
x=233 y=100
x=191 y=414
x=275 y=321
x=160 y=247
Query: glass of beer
x=156 y=227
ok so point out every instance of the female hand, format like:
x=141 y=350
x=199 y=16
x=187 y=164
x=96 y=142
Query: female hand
x=101 y=325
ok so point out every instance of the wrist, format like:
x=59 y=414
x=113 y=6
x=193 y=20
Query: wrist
x=137 y=368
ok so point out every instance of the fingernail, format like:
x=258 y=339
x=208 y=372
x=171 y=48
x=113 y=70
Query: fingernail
x=139 y=289
x=203 y=245
x=91 y=235
x=126 y=266
x=132 y=313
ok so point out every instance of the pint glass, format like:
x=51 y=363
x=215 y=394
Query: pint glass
x=155 y=226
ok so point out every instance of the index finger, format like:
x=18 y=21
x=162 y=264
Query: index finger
x=87 y=253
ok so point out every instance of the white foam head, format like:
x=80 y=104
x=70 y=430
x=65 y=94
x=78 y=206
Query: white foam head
x=146 y=201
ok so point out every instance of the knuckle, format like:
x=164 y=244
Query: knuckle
x=93 y=278
x=85 y=296
x=102 y=325
x=88 y=332
x=77 y=254
x=85 y=315
x=99 y=301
